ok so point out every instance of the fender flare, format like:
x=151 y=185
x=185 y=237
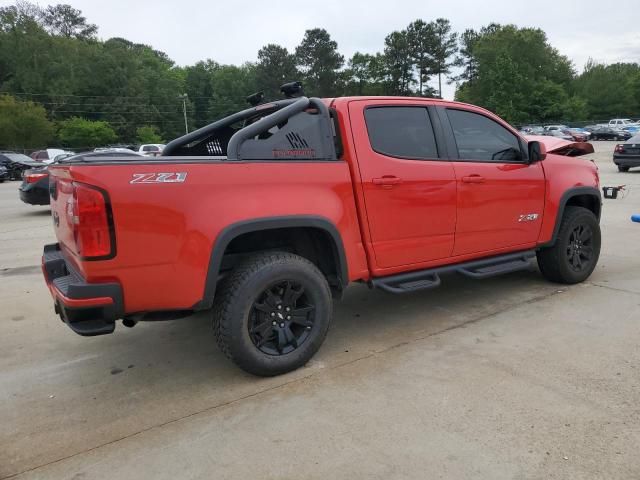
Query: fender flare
x=566 y=196
x=229 y=233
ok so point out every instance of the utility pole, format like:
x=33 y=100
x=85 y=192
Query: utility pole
x=184 y=97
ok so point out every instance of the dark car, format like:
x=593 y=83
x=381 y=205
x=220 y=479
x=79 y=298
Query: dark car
x=35 y=186
x=4 y=173
x=627 y=155
x=607 y=133
x=16 y=163
x=35 y=182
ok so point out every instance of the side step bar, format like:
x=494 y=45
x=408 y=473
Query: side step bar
x=430 y=278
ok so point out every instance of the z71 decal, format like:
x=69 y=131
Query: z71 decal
x=173 y=177
x=529 y=217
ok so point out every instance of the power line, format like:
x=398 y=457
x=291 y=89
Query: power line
x=137 y=97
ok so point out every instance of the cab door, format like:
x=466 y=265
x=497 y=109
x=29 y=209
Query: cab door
x=409 y=190
x=500 y=195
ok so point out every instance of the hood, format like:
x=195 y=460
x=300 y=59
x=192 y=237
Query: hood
x=558 y=146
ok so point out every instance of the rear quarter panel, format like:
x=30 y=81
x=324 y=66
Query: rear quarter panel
x=165 y=232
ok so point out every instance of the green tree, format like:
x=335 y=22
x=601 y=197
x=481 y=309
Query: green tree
x=609 y=89
x=148 y=134
x=199 y=89
x=364 y=75
x=68 y=22
x=275 y=67
x=398 y=61
x=422 y=40
x=80 y=133
x=231 y=85
x=444 y=48
x=23 y=124
x=465 y=60
x=520 y=76
x=319 y=61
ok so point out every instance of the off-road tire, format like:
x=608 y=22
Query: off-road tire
x=236 y=298
x=554 y=261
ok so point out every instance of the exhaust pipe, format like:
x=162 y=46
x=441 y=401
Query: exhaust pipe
x=129 y=322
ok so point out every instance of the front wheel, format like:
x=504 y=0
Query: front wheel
x=574 y=255
x=623 y=169
x=272 y=313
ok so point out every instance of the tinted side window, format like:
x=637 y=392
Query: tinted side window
x=480 y=138
x=404 y=132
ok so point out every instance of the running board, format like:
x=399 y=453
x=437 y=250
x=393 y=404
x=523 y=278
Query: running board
x=430 y=278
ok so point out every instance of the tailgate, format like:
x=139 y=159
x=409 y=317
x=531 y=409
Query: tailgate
x=61 y=193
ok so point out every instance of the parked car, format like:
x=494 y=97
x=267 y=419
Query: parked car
x=577 y=135
x=532 y=130
x=113 y=150
x=35 y=186
x=559 y=133
x=627 y=155
x=16 y=163
x=4 y=173
x=151 y=149
x=267 y=223
x=60 y=156
x=607 y=133
x=620 y=123
x=48 y=155
x=551 y=128
x=35 y=182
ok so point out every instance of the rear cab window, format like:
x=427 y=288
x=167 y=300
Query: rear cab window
x=401 y=132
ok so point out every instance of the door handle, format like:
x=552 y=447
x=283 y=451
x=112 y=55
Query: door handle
x=387 y=181
x=473 y=179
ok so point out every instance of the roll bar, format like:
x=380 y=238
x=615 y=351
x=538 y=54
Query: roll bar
x=265 y=123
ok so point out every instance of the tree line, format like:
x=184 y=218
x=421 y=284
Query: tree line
x=62 y=85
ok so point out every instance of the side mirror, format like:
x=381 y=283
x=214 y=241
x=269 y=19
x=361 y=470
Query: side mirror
x=537 y=151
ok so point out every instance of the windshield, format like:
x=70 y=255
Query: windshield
x=19 y=157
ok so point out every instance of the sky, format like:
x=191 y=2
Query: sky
x=232 y=32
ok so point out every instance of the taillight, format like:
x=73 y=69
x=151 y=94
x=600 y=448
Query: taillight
x=92 y=227
x=619 y=149
x=34 y=177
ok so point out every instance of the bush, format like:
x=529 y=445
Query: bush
x=23 y=124
x=79 y=133
x=148 y=134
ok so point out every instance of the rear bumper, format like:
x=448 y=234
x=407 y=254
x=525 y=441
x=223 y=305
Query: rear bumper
x=34 y=195
x=627 y=160
x=87 y=308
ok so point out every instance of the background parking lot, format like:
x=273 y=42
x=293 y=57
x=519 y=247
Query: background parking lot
x=511 y=377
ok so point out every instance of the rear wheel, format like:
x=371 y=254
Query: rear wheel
x=574 y=255
x=272 y=313
x=623 y=169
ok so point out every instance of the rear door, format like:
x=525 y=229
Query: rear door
x=409 y=191
x=500 y=195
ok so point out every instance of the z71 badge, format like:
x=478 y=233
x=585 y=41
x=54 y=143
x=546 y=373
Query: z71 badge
x=529 y=217
x=173 y=177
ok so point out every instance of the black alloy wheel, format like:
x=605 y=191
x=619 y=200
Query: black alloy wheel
x=281 y=318
x=580 y=248
x=574 y=254
x=272 y=312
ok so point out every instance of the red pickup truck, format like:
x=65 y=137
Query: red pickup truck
x=266 y=215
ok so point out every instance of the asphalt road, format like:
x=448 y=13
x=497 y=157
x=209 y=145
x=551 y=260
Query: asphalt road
x=506 y=378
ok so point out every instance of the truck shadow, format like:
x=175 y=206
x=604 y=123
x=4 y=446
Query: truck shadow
x=364 y=321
